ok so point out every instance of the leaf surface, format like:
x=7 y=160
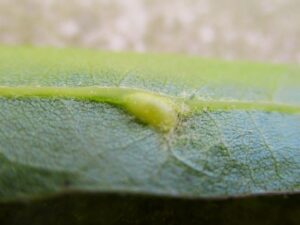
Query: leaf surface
x=56 y=145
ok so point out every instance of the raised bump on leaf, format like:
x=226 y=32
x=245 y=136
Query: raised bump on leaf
x=152 y=109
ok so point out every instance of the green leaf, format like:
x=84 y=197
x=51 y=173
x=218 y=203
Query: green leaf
x=234 y=127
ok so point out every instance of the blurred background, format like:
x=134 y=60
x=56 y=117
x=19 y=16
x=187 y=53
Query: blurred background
x=261 y=30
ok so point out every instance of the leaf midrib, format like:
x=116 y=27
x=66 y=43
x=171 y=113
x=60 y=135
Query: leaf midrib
x=115 y=95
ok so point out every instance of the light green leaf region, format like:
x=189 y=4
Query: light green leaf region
x=238 y=132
